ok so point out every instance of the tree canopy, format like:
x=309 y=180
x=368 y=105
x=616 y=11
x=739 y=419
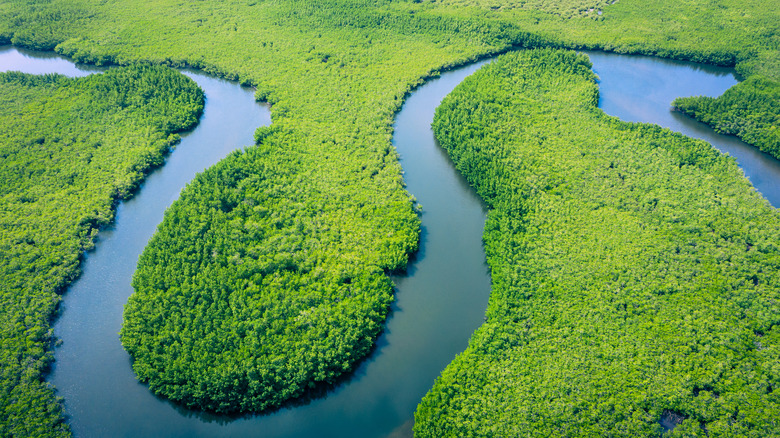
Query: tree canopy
x=635 y=270
x=325 y=178
x=70 y=148
x=750 y=110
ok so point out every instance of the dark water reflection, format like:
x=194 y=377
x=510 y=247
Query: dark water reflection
x=440 y=301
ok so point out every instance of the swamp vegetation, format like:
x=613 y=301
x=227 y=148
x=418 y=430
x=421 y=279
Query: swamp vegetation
x=272 y=266
x=750 y=110
x=635 y=270
x=71 y=148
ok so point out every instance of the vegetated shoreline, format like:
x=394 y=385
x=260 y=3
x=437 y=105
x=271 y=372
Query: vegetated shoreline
x=322 y=388
x=147 y=414
x=433 y=74
x=734 y=59
x=749 y=111
x=259 y=388
x=247 y=392
x=596 y=239
x=108 y=166
x=67 y=32
x=537 y=40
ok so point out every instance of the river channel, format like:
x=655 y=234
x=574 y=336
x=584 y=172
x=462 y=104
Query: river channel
x=439 y=302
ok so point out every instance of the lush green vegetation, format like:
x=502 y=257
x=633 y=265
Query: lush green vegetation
x=321 y=200
x=313 y=216
x=724 y=32
x=70 y=149
x=635 y=270
x=256 y=287
x=750 y=110
x=268 y=276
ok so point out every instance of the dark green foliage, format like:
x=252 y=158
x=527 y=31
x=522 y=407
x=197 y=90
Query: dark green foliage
x=256 y=287
x=635 y=271
x=750 y=110
x=69 y=148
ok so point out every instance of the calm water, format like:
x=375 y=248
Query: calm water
x=439 y=303
x=641 y=89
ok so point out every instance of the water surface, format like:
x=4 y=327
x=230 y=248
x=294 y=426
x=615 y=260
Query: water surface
x=641 y=89
x=439 y=302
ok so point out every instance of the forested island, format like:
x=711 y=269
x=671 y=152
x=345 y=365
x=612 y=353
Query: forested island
x=273 y=265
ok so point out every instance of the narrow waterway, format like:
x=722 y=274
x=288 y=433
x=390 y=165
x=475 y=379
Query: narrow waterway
x=439 y=302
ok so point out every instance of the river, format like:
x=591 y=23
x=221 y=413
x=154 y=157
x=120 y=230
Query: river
x=641 y=89
x=439 y=302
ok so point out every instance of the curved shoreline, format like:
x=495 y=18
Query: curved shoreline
x=80 y=379
x=355 y=407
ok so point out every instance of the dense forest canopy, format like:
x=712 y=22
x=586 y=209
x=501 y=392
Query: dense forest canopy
x=750 y=110
x=635 y=270
x=70 y=148
x=253 y=291
x=321 y=200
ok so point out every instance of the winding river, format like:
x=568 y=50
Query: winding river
x=439 y=302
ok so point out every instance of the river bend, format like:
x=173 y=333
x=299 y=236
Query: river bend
x=439 y=302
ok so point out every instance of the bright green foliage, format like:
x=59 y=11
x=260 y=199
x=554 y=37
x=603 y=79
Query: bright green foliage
x=257 y=286
x=280 y=252
x=635 y=271
x=39 y=24
x=714 y=31
x=268 y=275
x=70 y=148
x=750 y=110
x=723 y=32
x=286 y=248
x=336 y=71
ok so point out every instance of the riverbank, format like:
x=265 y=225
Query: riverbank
x=426 y=312
x=387 y=414
x=72 y=149
x=634 y=270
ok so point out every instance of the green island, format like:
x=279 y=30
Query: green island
x=71 y=148
x=281 y=252
x=750 y=110
x=635 y=270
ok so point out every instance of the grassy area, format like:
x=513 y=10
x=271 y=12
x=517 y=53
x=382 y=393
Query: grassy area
x=70 y=148
x=635 y=270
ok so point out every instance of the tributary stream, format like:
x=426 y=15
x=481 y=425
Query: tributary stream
x=439 y=302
